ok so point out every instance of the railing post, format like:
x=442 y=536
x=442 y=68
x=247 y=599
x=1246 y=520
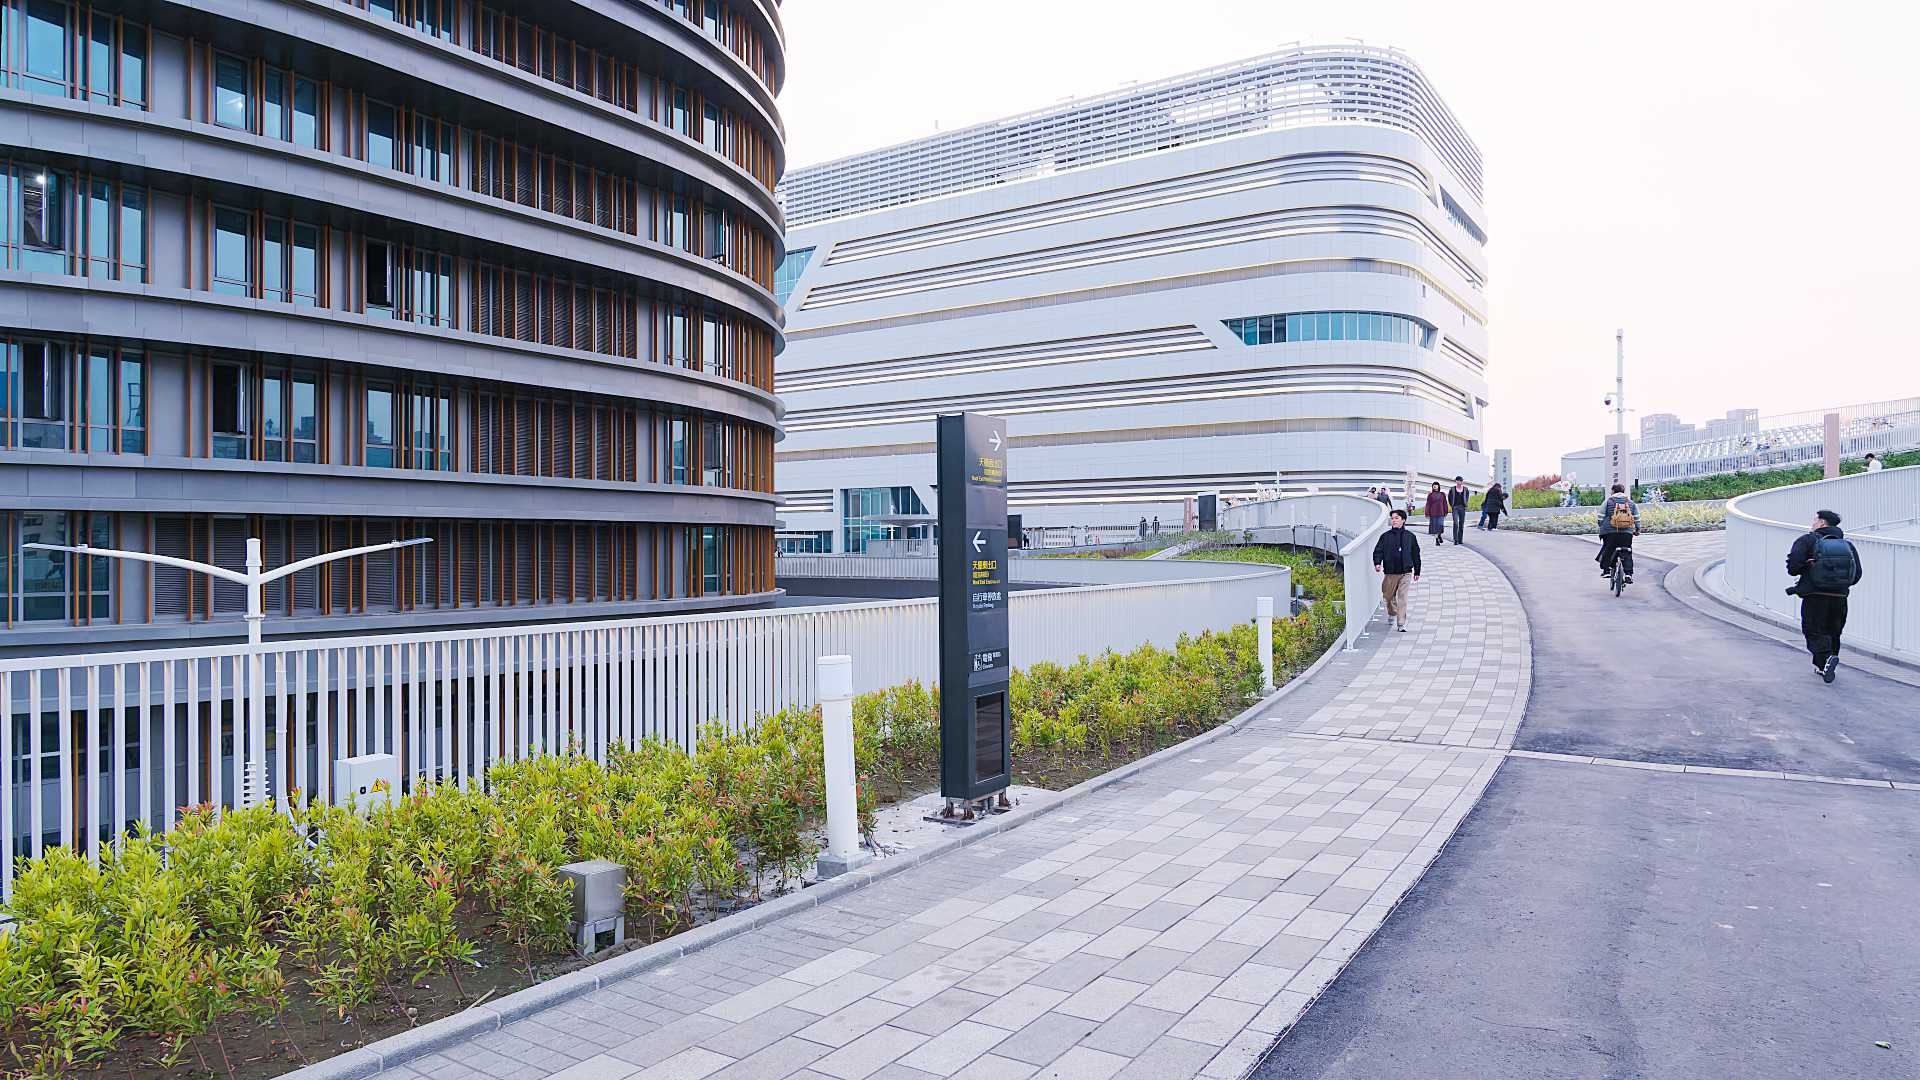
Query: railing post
x=833 y=676
x=255 y=769
x=1263 y=632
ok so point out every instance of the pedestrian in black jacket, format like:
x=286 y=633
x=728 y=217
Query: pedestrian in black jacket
x=1493 y=504
x=1828 y=566
x=1457 y=502
x=1397 y=556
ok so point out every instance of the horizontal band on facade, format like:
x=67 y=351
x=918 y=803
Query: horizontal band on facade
x=1259 y=382
x=1123 y=345
x=1317 y=167
x=1253 y=228
x=1229 y=429
x=1141 y=287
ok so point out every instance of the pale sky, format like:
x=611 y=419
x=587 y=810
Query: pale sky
x=1734 y=184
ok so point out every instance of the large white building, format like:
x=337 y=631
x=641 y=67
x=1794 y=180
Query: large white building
x=1266 y=273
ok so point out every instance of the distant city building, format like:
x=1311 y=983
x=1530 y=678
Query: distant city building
x=334 y=273
x=1745 y=441
x=1267 y=274
x=1663 y=424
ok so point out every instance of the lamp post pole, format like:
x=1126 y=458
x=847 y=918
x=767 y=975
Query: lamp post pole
x=254 y=580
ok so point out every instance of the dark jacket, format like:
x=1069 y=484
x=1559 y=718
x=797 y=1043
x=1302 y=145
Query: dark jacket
x=1397 y=552
x=1436 y=504
x=1384 y=498
x=1495 y=502
x=1457 y=498
x=1802 y=552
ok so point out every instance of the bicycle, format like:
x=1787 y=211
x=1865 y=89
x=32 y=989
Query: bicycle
x=1619 y=576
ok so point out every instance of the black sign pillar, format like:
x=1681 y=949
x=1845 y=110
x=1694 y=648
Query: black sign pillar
x=975 y=748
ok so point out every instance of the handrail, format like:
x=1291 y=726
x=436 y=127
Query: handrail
x=1361 y=582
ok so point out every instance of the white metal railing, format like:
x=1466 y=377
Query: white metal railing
x=163 y=725
x=1344 y=524
x=1884 y=610
x=1028 y=571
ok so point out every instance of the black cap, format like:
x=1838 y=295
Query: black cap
x=1459 y=479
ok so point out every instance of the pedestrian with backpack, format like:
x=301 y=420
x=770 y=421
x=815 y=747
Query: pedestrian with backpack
x=1828 y=565
x=1619 y=524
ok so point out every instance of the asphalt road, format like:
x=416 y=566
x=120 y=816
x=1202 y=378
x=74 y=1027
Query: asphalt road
x=1590 y=922
x=1594 y=922
x=1644 y=677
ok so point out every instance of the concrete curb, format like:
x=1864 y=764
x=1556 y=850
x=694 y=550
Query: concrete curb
x=1698 y=571
x=460 y=1027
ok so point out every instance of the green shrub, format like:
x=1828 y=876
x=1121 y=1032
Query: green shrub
x=1318 y=579
x=1665 y=518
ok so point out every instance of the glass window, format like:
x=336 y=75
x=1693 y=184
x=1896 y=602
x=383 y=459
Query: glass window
x=713 y=242
x=273 y=421
x=382 y=142
x=710 y=548
x=273 y=259
x=379 y=278
x=713 y=454
x=227 y=404
x=43 y=396
x=100 y=65
x=306 y=265
x=100 y=230
x=46 y=46
x=680 y=113
x=788 y=273
x=677 y=452
x=232 y=254
x=422 y=436
x=677 y=338
x=446 y=433
x=712 y=347
x=306 y=112
x=133 y=64
x=133 y=404
x=43 y=574
x=380 y=427
x=305 y=420
x=100 y=397
x=679 y=225
x=232 y=96
x=133 y=234
x=43 y=220
x=273 y=105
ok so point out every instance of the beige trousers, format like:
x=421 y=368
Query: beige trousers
x=1393 y=588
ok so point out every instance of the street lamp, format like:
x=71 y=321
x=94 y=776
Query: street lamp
x=254 y=580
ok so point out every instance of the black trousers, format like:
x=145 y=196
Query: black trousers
x=1616 y=546
x=1459 y=524
x=1493 y=519
x=1822 y=617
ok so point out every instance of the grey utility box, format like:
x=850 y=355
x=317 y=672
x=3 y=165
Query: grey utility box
x=599 y=902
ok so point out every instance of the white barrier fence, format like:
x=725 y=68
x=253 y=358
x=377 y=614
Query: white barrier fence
x=1346 y=524
x=1884 y=609
x=99 y=742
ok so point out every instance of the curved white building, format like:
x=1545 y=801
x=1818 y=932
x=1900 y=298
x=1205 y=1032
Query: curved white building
x=1265 y=273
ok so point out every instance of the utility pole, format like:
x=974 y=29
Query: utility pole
x=1619 y=382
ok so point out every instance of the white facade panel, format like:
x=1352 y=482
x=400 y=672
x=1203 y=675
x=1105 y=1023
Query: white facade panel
x=1097 y=308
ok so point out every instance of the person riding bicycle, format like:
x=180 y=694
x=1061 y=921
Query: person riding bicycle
x=1619 y=524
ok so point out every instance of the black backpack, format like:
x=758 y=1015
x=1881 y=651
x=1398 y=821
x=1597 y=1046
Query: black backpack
x=1833 y=565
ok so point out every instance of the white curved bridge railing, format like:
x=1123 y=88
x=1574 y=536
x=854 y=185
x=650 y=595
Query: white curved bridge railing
x=1344 y=524
x=1880 y=513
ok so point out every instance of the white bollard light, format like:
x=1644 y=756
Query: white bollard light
x=1263 y=627
x=834 y=676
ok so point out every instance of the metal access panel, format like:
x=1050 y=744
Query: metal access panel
x=975 y=668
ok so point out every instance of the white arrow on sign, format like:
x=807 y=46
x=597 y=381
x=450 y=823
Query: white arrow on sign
x=995 y=440
x=979 y=543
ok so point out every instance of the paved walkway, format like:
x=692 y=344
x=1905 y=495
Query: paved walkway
x=1166 y=927
x=1457 y=677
